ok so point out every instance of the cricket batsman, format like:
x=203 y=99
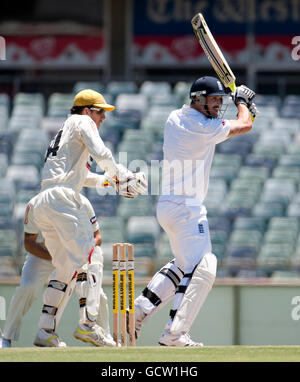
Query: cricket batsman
x=190 y=137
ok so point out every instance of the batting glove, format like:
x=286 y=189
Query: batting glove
x=253 y=111
x=243 y=95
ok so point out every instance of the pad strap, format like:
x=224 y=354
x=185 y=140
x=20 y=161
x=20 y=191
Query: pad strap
x=81 y=277
x=152 y=297
x=49 y=309
x=171 y=275
x=57 y=285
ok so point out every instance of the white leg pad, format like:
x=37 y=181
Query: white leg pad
x=53 y=296
x=81 y=290
x=88 y=287
x=65 y=300
x=94 y=276
x=103 y=316
x=195 y=295
x=160 y=289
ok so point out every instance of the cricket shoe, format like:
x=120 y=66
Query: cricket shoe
x=139 y=318
x=4 y=343
x=109 y=341
x=179 y=340
x=48 y=339
x=93 y=334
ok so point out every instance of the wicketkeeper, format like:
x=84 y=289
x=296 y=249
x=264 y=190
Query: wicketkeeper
x=58 y=211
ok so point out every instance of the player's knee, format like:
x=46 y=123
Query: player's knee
x=209 y=263
x=54 y=293
x=163 y=284
x=206 y=270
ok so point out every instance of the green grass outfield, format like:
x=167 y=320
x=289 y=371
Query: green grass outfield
x=154 y=354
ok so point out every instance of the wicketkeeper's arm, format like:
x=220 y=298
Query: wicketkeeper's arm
x=94 y=180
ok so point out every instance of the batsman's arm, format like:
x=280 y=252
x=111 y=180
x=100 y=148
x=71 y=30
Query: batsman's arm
x=242 y=124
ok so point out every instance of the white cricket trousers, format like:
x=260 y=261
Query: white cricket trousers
x=35 y=273
x=63 y=220
x=187 y=229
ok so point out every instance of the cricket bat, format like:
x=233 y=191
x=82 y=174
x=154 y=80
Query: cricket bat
x=213 y=52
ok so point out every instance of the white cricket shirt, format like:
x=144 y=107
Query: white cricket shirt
x=69 y=153
x=189 y=145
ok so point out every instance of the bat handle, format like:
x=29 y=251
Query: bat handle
x=232 y=87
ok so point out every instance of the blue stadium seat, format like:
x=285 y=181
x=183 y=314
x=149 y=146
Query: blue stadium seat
x=268 y=99
x=182 y=90
x=219 y=223
x=115 y=88
x=232 y=146
x=268 y=210
x=275 y=256
x=250 y=223
x=94 y=85
x=151 y=88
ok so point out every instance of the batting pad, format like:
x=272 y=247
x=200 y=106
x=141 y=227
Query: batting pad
x=95 y=276
x=53 y=296
x=160 y=290
x=195 y=294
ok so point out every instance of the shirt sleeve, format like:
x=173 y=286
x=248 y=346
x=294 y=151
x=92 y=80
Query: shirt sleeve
x=218 y=130
x=94 y=180
x=91 y=213
x=29 y=226
x=96 y=147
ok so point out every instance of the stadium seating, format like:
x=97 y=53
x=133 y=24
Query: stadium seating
x=94 y=85
x=59 y=105
x=242 y=249
x=249 y=224
x=151 y=88
x=142 y=229
x=164 y=251
x=275 y=257
x=115 y=88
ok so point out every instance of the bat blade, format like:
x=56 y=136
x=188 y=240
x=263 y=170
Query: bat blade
x=213 y=52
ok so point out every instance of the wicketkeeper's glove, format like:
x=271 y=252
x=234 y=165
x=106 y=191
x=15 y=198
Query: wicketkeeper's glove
x=129 y=185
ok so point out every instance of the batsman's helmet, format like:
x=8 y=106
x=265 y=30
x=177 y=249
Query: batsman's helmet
x=206 y=86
